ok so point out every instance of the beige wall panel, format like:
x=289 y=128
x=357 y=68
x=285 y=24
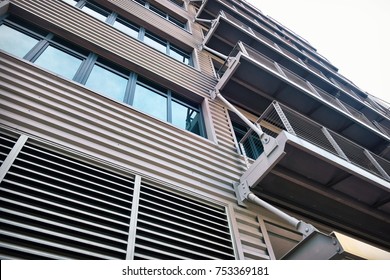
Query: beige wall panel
x=116 y=46
x=97 y=125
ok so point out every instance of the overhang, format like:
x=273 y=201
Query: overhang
x=302 y=176
x=252 y=81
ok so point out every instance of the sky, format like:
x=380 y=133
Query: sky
x=354 y=35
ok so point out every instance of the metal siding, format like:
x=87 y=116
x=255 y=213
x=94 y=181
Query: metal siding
x=113 y=44
x=66 y=113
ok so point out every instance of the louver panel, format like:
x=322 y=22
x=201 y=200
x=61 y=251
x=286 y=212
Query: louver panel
x=171 y=226
x=6 y=144
x=56 y=207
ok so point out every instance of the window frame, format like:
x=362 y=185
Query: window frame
x=89 y=60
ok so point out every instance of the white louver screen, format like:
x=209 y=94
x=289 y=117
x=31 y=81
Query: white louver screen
x=56 y=207
x=171 y=226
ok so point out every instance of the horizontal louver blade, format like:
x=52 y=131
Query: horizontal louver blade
x=56 y=207
x=172 y=226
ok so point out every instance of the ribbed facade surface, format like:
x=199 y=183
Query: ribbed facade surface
x=88 y=175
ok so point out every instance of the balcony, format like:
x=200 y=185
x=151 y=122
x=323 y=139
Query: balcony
x=321 y=174
x=252 y=80
x=226 y=31
x=211 y=9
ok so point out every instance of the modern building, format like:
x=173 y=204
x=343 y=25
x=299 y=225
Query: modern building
x=171 y=129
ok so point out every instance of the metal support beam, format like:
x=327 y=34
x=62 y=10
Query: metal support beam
x=224 y=57
x=205 y=20
x=269 y=143
x=9 y=160
x=244 y=193
x=133 y=218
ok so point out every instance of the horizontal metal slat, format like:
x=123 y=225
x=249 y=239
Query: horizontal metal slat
x=79 y=178
x=49 y=203
x=103 y=173
x=62 y=216
x=190 y=228
x=62 y=225
x=178 y=241
x=213 y=243
x=154 y=251
x=63 y=182
x=178 y=205
x=54 y=244
x=188 y=201
x=181 y=212
x=61 y=198
x=60 y=235
x=194 y=224
x=30 y=251
x=173 y=247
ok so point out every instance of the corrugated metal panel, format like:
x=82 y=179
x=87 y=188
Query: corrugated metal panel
x=60 y=111
x=88 y=121
x=114 y=45
x=251 y=237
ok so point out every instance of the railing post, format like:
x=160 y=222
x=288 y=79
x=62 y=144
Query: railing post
x=242 y=148
x=376 y=164
x=336 y=146
x=283 y=118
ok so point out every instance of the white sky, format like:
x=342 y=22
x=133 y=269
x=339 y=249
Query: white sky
x=354 y=35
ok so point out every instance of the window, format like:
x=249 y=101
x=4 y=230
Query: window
x=251 y=144
x=179 y=3
x=15 y=41
x=136 y=31
x=59 y=61
x=71 y=62
x=174 y=20
x=95 y=11
x=155 y=42
x=108 y=82
x=126 y=27
x=150 y=101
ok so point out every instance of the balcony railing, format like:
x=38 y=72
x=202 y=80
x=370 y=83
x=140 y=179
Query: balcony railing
x=296 y=58
x=278 y=117
x=302 y=83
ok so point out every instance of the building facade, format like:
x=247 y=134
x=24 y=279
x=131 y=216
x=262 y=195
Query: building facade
x=129 y=129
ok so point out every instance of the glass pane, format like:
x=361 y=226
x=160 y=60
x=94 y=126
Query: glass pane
x=150 y=102
x=185 y=58
x=95 y=12
x=155 y=43
x=15 y=42
x=72 y=2
x=107 y=82
x=177 y=22
x=158 y=11
x=127 y=28
x=185 y=117
x=59 y=62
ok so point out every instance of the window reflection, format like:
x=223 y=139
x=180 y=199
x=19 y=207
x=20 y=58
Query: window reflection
x=185 y=117
x=59 y=62
x=15 y=42
x=178 y=55
x=107 y=82
x=95 y=12
x=150 y=102
x=126 y=28
x=155 y=42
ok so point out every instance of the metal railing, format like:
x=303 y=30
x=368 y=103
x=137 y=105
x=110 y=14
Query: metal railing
x=272 y=65
x=278 y=117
